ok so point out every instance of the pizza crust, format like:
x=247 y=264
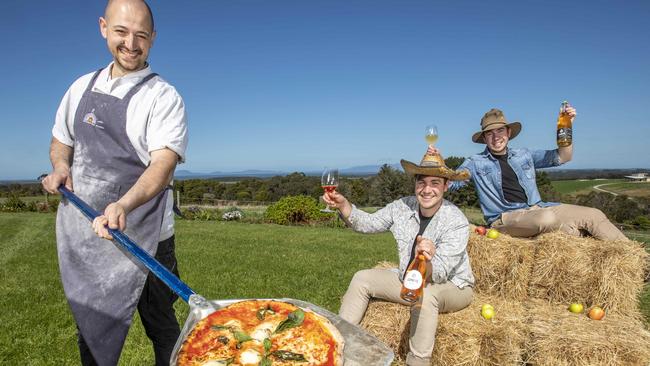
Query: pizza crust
x=339 y=341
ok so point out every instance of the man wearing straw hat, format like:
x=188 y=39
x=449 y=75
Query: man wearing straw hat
x=421 y=224
x=505 y=183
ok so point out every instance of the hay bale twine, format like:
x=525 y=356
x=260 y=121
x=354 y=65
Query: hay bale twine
x=605 y=273
x=502 y=266
x=559 y=337
x=463 y=337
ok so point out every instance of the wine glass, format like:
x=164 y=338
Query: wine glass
x=431 y=134
x=329 y=181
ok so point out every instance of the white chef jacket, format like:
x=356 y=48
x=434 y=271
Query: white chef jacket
x=155 y=119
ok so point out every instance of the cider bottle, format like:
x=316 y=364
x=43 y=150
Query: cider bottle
x=414 y=279
x=564 y=130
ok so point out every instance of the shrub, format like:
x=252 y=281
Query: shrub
x=31 y=206
x=198 y=213
x=640 y=223
x=14 y=203
x=53 y=204
x=293 y=210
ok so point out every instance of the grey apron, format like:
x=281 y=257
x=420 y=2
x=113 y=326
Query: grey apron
x=102 y=282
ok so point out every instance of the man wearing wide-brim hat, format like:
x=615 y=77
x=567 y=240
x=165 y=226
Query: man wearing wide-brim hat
x=504 y=178
x=425 y=224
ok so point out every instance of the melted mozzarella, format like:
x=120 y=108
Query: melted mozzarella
x=233 y=323
x=250 y=357
x=263 y=331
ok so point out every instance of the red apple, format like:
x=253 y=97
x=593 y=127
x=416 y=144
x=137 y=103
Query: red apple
x=596 y=313
x=481 y=230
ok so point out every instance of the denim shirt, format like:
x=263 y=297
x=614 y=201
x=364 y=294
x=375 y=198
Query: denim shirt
x=486 y=175
x=448 y=230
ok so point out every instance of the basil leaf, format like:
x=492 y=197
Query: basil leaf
x=265 y=362
x=288 y=356
x=219 y=327
x=267 y=345
x=294 y=319
x=261 y=313
x=241 y=337
x=227 y=361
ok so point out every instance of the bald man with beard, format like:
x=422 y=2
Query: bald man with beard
x=118 y=134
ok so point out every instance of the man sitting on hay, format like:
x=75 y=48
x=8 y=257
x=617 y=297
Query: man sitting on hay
x=505 y=183
x=423 y=224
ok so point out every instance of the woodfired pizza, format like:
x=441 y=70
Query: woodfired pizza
x=264 y=333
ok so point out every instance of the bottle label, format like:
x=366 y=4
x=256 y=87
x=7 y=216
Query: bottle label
x=564 y=134
x=413 y=280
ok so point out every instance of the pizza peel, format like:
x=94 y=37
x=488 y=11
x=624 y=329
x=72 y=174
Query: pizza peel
x=361 y=348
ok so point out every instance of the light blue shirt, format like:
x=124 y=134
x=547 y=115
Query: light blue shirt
x=486 y=175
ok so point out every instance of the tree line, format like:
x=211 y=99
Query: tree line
x=377 y=190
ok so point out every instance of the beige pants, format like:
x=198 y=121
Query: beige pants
x=385 y=284
x=570 y=219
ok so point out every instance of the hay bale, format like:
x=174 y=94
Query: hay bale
x=502 y=266
x=463 y=337
x=559 y=337
x=605 y=273
x=389 y=322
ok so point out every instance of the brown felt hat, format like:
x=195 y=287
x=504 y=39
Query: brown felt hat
x=433 y=165
x=494 y=119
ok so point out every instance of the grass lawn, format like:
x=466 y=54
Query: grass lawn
x=219 y=260
x=579 y=186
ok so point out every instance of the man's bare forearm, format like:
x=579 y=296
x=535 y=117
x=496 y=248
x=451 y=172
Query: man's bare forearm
x=566 y=153
x=154 y=179
x=60 y=156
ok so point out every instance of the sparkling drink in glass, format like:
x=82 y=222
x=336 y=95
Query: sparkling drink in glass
x=329 y=181
x=431 y=134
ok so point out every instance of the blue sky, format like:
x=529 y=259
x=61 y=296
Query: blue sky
x=299 y=85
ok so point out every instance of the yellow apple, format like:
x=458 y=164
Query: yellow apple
x=487 y=306
x=487 y=312
x=492 y=234
x=576 y=308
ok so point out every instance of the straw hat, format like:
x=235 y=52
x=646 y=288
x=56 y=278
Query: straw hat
x=433 y=165
x=494 y=119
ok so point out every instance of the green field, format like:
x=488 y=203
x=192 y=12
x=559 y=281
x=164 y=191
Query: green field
x=632 y=189
x=219 y=260
x=620 y=186
x=574 y=187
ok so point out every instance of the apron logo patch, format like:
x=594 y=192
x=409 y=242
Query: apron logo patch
x=91 y=119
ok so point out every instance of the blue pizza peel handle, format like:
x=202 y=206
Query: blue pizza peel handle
x=174 y=283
